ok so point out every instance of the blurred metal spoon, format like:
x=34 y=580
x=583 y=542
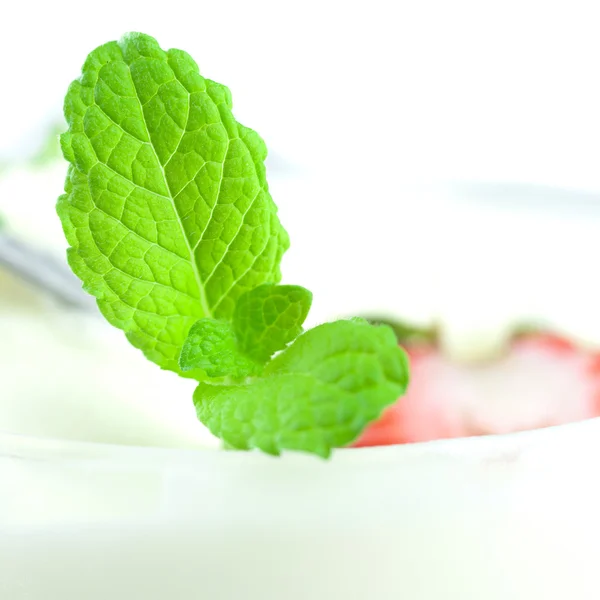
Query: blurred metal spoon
x=49 y=275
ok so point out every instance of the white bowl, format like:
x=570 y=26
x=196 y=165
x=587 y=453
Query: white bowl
x=497 y=518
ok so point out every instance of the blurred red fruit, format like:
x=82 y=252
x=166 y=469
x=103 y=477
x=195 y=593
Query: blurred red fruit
x=542 y=380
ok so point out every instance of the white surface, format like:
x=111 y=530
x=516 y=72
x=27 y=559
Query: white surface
x=506 y=518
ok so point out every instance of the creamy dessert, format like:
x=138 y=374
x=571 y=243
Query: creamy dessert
x=486 y=517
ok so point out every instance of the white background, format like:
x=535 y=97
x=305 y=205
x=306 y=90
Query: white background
x=360 y=103
x=380 y=89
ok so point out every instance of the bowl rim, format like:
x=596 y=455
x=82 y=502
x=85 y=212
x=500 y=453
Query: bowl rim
x=485 y=448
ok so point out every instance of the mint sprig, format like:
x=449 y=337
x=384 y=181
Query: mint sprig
x=172 y=228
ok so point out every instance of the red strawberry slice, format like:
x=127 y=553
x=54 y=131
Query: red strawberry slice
x=542 y=380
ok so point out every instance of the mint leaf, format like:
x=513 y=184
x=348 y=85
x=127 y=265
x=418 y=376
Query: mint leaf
x=318 y=394
x=211 y=346
x=166 y=209
x=269 y=317
x=265 y=320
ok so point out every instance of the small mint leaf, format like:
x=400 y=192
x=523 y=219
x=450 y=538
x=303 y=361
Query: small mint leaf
x=211 y=346
x=318 y=394
x=269 y=317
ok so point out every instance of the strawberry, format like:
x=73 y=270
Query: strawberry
x=541 y=380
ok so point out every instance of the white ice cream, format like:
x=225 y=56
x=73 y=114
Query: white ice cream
x=70 y=376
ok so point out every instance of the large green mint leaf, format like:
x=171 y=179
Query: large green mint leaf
x=166 y=209
x=269 y=317
x=319 y=394
x=211 y=346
